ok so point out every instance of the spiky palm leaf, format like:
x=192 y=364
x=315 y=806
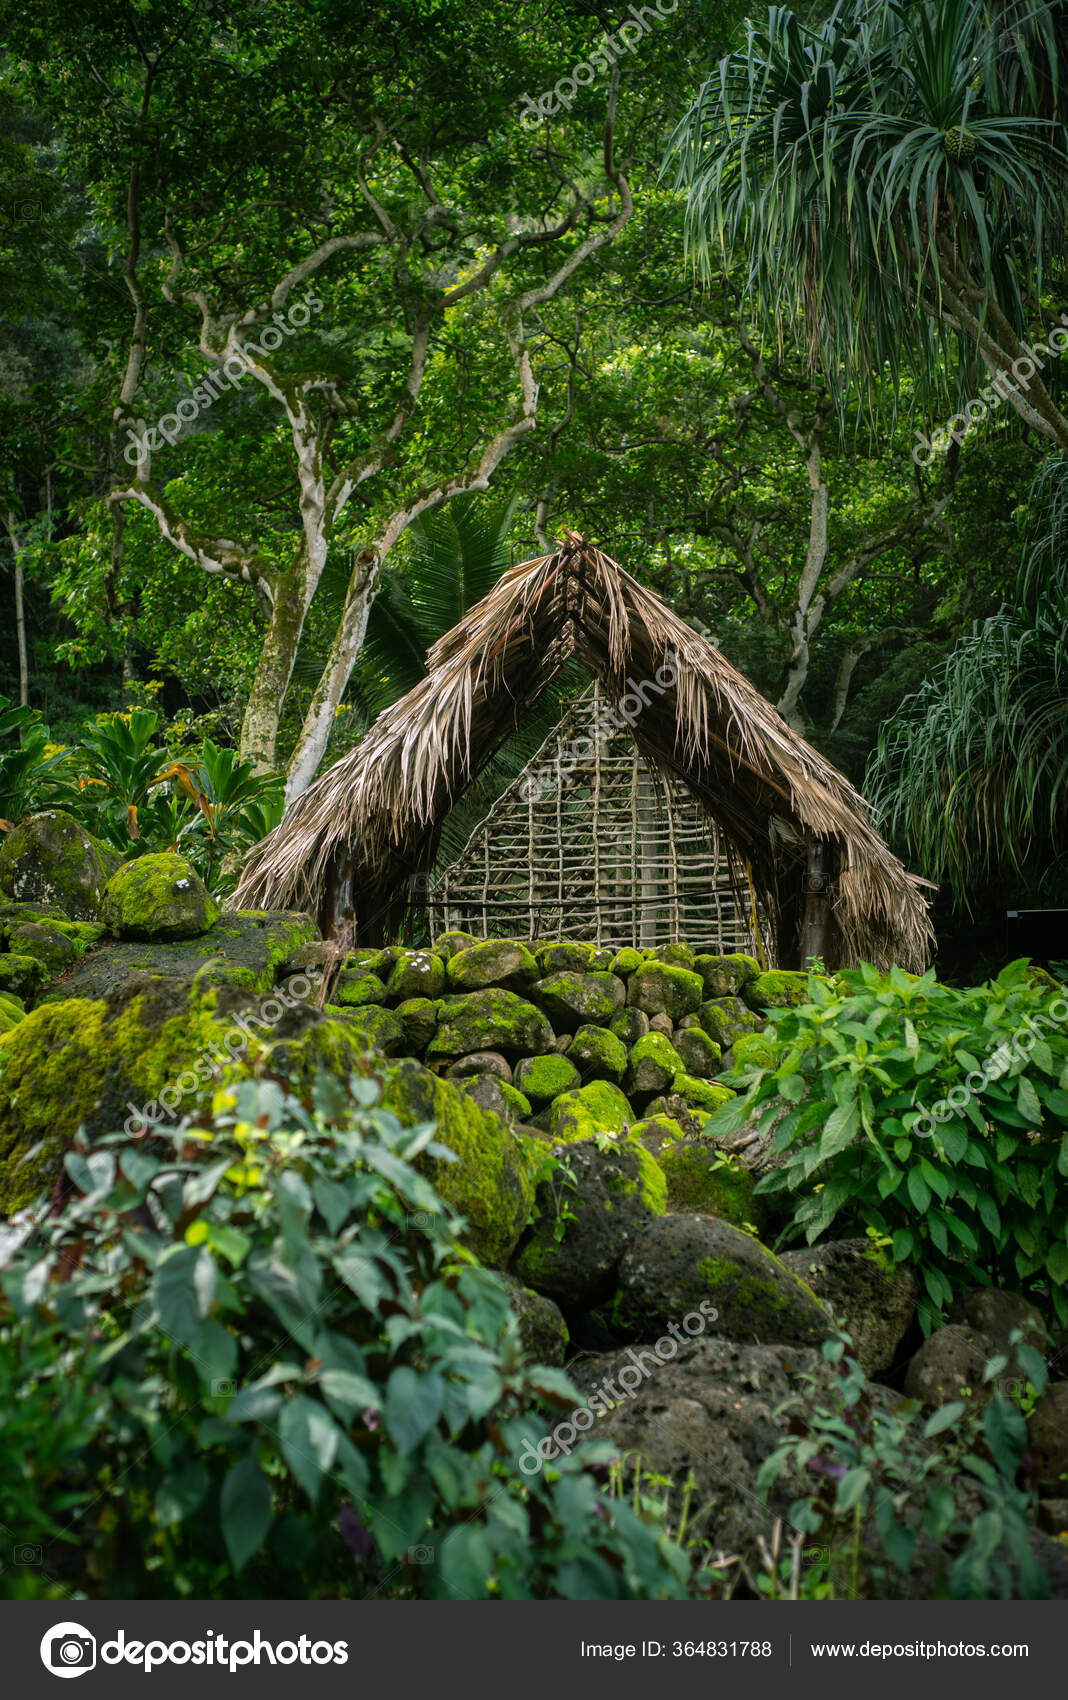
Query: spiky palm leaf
x=864 y=167
x=971 y=774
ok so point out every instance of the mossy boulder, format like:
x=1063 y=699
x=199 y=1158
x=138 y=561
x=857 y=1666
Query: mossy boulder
x=779 y=989
x=22 y=976
x=654 y=1063
x=702 y=1179
x=449 y=943
x=629 y=1026
x=498 y=1097
x=543 y=1078
x=675 y=1261
x=367 y=960
x=158 y=897
x=48 y=943
x=416 y=974
x=492 y=1182
x=597 y=1108
x=874 y=1299
x=497 y=962
x=375 y=1028
x=700 y=1055
x=418 y=1017
x=625 y=961
x=246 y=949
x=724 y=976
x=490 y=1020
x=570 y=999
x=598 y=1054
x=701 y=1094
x=50 y=859
x=354 y=988
x=543 y=1332
x=586 y=1213
x=149 y=1052
x=724 y=1018
x=657 y=1132
x=677 y=955
x=480 y=1062
x=662 y=988
x=565 y=958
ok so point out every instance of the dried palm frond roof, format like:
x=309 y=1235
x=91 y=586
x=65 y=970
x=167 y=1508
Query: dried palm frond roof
x=377 y=811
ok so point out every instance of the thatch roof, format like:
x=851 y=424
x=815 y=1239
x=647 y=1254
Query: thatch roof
x=377 y=811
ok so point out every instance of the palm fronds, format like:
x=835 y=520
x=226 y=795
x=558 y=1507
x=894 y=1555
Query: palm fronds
x=971 y=774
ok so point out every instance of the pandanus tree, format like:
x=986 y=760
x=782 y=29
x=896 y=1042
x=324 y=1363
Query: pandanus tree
x=970 y=777
x=891 y=186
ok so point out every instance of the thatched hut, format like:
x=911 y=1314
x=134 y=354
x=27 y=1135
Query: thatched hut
x=362 y=840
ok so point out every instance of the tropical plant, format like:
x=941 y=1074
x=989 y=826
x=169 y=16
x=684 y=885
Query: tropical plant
x=954 y=1477
x=970 y=775
x=930 y=1114
x=30 y=771
x=281 y=1376
x=894 y=181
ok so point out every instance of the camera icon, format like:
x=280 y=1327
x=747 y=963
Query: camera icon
x=817 y=880
x=1012 y=1389
x=420 y=1555
x=27 y=212
x=420 y=1219
x=27 y=1554
x=223 y=1389
x=815 y=1555
x=68 y=1650
x=419 y=885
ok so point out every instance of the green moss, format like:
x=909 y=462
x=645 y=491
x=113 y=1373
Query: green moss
x=724 y=1018
x=571 y=999
x=704 y=1180
x=598 y=1054
x=417 y=1017
x=675 y=955
x=779 y=989
x=703 y=1093
x=562 y=958
x=492 y=1183
x=625 y=961
x=660 y=988
x=357 y=989
x=50 y=859
x=542 y=1078
x=375 y=1029
x=416 y=974
x=747 y=1291
x=597 y=1108
x=517 y=1101
x=158 y=897
x=650 y=1183
x=496 y=962
x=22 y=975
x=724 y=976
x=490 y=1020
x=656 y=1132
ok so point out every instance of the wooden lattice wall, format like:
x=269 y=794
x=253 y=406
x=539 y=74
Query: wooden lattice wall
x=609 y=853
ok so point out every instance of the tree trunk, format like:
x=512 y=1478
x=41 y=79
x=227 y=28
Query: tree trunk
x=259 y=729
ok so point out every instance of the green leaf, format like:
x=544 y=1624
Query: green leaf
x=183 y=1286
x=179 y=1494
x=840 y=1129
x=918 y=1190
x=1057 y=1262
x=1027 y=1101
x=245 y=1510
x=1006 y=1433
x=413 y=1405
x=309 y=1439
x=466 y=1562
x=943 y=1418
x=903 y=1242
x=852 y=1487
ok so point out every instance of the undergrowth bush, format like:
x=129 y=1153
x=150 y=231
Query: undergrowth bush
x=249 y=1359
x=882 y=1479
x=978 y=1197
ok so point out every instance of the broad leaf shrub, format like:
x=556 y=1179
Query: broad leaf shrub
x=250 y=1360
x=882 y=1479
x=977 y=1198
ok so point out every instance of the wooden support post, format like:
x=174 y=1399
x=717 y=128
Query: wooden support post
x=814 y=924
